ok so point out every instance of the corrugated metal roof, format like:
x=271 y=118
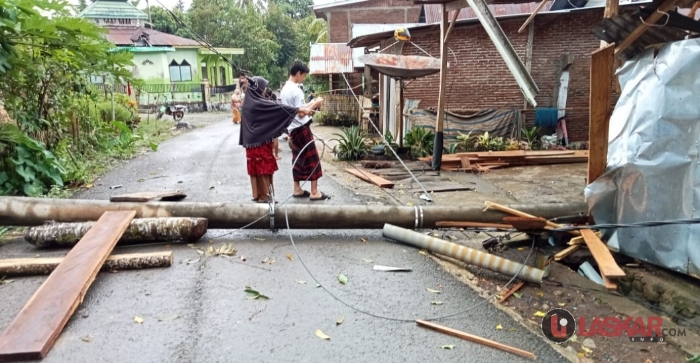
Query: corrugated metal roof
x=112 y=9
x=432 y=11
x=330 y=58
x=123 y=36
x=617 y=28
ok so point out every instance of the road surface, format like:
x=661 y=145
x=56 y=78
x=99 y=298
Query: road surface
x=206 y=316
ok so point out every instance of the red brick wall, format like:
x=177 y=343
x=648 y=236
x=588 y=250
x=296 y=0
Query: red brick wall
x=341 y=18
x=479 y=78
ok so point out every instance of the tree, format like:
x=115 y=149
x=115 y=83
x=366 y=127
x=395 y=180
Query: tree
x=180 y=6
x=135 y=2
x=163 y=21
x=282 y=27
x=45 y=62
x=296 y=9
x=82 y=4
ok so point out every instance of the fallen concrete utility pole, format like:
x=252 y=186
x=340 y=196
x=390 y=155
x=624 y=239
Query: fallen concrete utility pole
x=20 y=211
x=44 y=266
x=140 y=230
x=465 y=254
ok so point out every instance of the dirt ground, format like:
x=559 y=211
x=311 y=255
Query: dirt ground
x=563 y=288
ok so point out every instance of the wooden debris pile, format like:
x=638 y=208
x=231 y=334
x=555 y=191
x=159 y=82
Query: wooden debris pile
x=485 y=161
x=583 y=238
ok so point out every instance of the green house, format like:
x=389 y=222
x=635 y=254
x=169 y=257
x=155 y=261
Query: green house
x=173 y=68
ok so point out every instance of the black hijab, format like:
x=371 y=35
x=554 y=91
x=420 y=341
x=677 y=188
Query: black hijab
x=263 y=120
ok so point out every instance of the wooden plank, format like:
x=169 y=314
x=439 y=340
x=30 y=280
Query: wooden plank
x=643 y=27
x=602 y=62
x=579 y=240
x=371 y=178
x=446 y=224
x=33 y=332
x=569 y=250
x=437 y=186
x=476 y=339
x=526 y=223
x=601 y=254
x=125 y=261
x=532 y=16
x=148 y=196
x=511 y=291
x=608 y=283
x=464 y=160
x=518 y=213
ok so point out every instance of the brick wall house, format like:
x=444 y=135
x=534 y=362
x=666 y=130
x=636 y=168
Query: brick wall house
x=478 y=77
x=341 y=15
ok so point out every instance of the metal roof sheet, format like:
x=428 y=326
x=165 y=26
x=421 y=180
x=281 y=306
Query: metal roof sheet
x=113 y=9
x=123 y=36
x=330 y=58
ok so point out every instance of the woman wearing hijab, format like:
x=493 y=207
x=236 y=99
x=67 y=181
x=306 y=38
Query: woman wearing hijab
x=263 y=121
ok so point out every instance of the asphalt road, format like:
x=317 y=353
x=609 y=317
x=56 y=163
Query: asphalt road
x=206 y=316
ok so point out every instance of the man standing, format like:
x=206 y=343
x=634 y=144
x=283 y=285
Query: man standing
x=308 y=164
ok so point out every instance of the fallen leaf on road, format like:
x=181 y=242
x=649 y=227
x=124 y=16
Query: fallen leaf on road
x=300 y=281
x=340 y=320
x=539 y=314
x=321 y=335
x=4 y=281
x=342 y=279
x=366 y=260
x=169 y=317
x=450 y=346
x=586 y=350
x=512 y=329
x=540 y=294
x=409 y=204
x=423 y=252
x=89 y=186
x=521 y=248
x=86 y=339
x=436 y=303
x=433 y=291
x=138 y=319
x=252 y=294
x=499 y=327
x=363 y=240
x=517 y=295
x=562 y=304
x=453 y=238
x=290 y=257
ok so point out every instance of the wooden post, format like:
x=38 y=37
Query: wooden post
x=602 y=62
x=612 y=8
x=531 y=18
x=437 y=148
x=401 y=117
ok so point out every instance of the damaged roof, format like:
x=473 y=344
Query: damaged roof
x=126 y=36
x=330 y=58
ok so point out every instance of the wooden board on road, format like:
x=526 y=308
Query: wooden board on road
x=371 y=178
x=32 y=333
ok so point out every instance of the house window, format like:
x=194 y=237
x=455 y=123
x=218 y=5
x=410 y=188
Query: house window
x=222 y=73
x=124 y=21
x=204 y=71
x=180 y=72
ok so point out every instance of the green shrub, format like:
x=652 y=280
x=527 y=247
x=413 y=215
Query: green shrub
x=27 y=167
x=420 y=141
x=352 y=144
x=121 y=112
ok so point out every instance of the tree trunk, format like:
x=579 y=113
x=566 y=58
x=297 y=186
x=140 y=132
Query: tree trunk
x=140 y=230
x=44 y=266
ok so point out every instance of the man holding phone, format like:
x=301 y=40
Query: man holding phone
x=308 y=164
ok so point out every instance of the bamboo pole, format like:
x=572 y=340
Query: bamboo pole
x=465 y=254
x=22 y=211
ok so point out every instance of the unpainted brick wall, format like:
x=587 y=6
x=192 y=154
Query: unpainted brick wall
x=341 y=18
x=478 y=76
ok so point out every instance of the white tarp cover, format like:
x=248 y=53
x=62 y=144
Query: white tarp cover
x=653 y=166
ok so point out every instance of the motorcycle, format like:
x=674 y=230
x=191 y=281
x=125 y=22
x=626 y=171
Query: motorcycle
x=177 y=112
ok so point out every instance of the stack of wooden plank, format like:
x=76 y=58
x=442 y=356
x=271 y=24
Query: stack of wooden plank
x=484 y=161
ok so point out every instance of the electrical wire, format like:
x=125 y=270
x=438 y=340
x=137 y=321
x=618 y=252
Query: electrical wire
x=629 y=225
x=464 y=311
